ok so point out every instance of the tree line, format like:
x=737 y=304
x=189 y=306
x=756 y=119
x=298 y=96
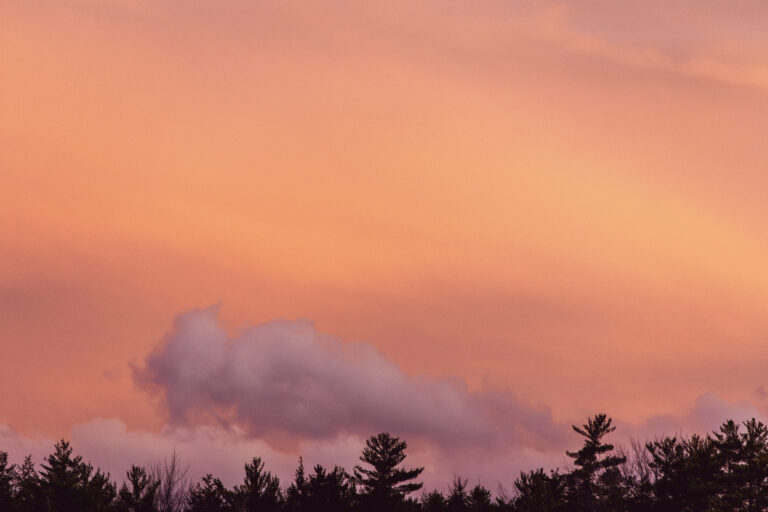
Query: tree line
x=723 y=471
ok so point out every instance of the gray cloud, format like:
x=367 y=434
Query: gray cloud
x=707 y=413
x=285 y=380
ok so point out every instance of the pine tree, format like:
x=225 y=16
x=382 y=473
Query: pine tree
x=755 y=449
x=686 y=474
x=260 y=492
x=728 y=445
x=433 y=501
x=210 y=496
x=7 y=475
x=458 y=501
x=594 y=485
x=328 y=491
x=480 y=499
x=139 y=493
x=296 y=495
x=384 y=485
x=67 y=484
x=539 y=492
x=27 y=487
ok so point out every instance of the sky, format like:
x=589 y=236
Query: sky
x=274 y=228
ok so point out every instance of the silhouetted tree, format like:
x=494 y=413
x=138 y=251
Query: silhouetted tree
x=7 y=475
x=296 y=494
x=260 y=492
x=595 y=484
x=328 y=491
x=755 y=458
x=637 y=477
x=100 y=491
x=724 y=471
x=139 y=493
x=458 y=501
x=27 y=495
x=67 y=484
x=539 y=492
x=686 y=474
x=730 y=459
x=480 y=499
x=384 y=485
x=433 y=501
x=173 y=491
x=504 y=502
x=208 y=496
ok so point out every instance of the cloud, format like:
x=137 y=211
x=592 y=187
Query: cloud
x=679 y=38
x=284 y=381
x=19 y=446
x=706 y=414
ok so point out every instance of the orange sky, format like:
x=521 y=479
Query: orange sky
x=562 y=198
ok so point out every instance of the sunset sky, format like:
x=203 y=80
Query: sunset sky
x=274 y=228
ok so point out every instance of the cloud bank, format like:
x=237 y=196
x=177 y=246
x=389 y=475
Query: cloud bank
x=284 y=380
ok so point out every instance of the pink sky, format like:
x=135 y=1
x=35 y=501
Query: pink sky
x=559 y=205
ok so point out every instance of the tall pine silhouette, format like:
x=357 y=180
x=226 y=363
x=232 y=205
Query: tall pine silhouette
x=384 y=485
x=595 y=484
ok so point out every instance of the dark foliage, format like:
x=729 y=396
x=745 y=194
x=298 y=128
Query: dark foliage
x=724 y=471
x=6 y=482
x=384 y=485
x=67 y=484
x=595 y=484
x=208 y=496
x=323 y=491
x=139 y=492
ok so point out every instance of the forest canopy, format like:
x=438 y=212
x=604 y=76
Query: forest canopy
x=725 y=470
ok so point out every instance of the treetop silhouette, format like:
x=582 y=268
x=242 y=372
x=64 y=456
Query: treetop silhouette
x=723 y=471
